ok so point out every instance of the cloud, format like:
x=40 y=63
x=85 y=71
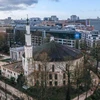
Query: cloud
x=6 y=5
x=9 y=5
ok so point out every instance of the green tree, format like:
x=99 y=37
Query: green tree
x=12 y=80
x=95 y=52
x=3 y=43
x=21 y=80
x=83 y=45
x=20 y=37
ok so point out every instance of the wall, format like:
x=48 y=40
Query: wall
x=15 y=91
x=60 y=69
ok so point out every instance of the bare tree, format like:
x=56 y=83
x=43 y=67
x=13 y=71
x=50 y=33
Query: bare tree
x=95 y=52
x=42 y=75
x=67 y=70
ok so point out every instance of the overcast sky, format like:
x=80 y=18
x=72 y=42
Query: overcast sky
x=18 y=9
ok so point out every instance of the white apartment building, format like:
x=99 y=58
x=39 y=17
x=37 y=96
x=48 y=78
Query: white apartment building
x=68 y=42
x=66 y=37
x=12 y=70
x=90 y=37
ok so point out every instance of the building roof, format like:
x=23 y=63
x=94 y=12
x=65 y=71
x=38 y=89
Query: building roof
x=16 y=67
x=17 y=49
x=55 y=52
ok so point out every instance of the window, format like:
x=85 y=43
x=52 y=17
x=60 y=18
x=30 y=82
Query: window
x=56 y=83
x=19 y=55
x=50 y=76
x=64 y=76
x=53 y=69
x=64 y=82
x=56 y=76
x=39 y=67
x=50 y=83
x=9 y=71
x=67 y=67
x=4 y=69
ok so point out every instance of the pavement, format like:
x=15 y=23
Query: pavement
x=83 y=96
x=91 y=91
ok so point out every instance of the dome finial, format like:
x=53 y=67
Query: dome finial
x=27 y=20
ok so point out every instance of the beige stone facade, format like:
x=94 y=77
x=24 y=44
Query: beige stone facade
x=55 y=72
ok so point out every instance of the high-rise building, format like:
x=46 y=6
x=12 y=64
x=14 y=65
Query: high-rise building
x=94 y=22
x=54 y=18
x=74 y=17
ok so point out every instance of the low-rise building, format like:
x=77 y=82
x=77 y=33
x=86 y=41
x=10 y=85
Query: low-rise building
x=12 y=70
x=16 y=53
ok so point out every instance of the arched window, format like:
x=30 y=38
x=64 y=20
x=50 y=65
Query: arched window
x=64 y=75
x=53 y=68
x=66 y=67
x=39 y=66
x=56 y=83
x=64 y=82
x=56 y=76
x=50 y=83
x=50 y=76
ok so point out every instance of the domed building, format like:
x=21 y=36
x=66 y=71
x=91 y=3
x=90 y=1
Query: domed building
x=49 y=63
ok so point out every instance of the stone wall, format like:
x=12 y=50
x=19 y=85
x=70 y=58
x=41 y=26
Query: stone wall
x=4 y=96
x=15 y=92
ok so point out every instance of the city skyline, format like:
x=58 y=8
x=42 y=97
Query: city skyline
x=63 y=9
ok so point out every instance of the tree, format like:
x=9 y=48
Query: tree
x=12 y=80
x=41 y=75
x=20 y=37
x=3 y=43
x=95 y=52
x=83 y=45
x=47 y=39
x=21 y=80
x=77 y=44
x=77 y=77
x=67 y=70
x=69 y=83
x=87 y=80
x=44 y=73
